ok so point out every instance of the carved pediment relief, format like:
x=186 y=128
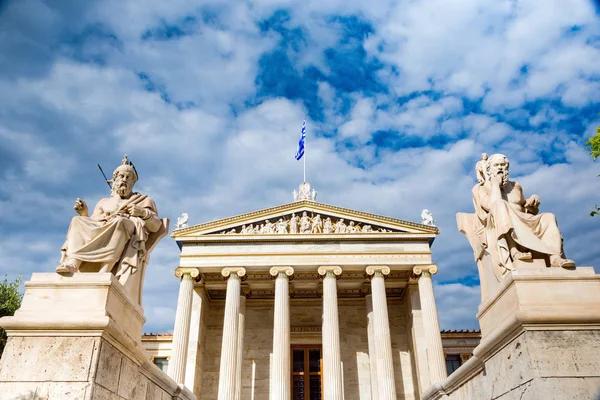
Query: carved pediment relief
x=304 y=218
x=305 y=223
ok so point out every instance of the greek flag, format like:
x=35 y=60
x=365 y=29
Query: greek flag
x=300 y=151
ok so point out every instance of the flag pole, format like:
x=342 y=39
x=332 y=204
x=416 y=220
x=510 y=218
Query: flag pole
x=304 y=155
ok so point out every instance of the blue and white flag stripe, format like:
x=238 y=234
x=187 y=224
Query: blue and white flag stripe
x=300 y=150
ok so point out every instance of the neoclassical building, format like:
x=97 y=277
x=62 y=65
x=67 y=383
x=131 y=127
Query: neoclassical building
x=305 y=301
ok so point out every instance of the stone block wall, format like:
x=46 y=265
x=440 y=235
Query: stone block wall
x=536 y=365
x=78 y=368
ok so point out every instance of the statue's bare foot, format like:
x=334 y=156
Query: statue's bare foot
x=68 y=267
x=559 y=262
x=522 y=255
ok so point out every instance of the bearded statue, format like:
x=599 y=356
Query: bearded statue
x=507 y=231
x=118 y=236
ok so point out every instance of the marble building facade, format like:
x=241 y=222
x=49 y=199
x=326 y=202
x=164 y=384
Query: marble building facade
x=305 y=301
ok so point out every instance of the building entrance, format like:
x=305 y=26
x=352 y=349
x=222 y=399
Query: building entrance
x=307 y=367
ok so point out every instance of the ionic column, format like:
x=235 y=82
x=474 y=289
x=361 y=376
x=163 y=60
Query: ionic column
x=433 y=338
x=332 y=363
x=386 y=385
x=195 y=352
x=280 y=369
x=245 y=292
x=227 y=371
x=372 y=351
x=181 y=330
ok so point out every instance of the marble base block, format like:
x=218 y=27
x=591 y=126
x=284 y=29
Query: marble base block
x=78 y=337
x=540 y=340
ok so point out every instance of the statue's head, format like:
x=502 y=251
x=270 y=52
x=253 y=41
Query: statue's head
x=124 y=177
x=497 y=164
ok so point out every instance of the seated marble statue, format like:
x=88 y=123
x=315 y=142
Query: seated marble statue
x=509 y=226
x=119 y=234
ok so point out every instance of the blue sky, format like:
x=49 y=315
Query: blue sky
x=208 y=98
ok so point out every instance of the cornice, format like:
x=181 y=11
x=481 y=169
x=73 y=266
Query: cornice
x=310 y=237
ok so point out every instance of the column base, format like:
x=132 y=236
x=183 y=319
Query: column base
x=79 y=337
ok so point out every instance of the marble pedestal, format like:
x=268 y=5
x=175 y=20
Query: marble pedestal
x=540 y=340
x=78 y=337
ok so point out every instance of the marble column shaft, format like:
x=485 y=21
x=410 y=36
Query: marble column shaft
x=181 y=330
x=386 y=386
x=372 y=351
x=240 y=348
x=227 y=370
x=332 y=363
x=195 y=352
x=435 y=350
x=280 y=370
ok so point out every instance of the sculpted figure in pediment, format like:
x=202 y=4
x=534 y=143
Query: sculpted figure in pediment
x=328 y=226
x=317 y=224
x=282 y=226
x=269 y=227
x=340 y=226
x=305 y=223
x=294 y=223
x=119 y=235
x=352 y=228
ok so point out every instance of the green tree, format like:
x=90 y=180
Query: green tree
x=10 y=301
x=593 y=145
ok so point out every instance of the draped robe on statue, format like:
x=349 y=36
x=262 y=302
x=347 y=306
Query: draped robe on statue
x=507 y=217
x=111 y=236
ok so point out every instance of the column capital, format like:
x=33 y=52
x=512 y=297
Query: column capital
x=239 y=271
x=181 y=272
x=372 y=269
x=419 y=269
x=275 y=271
x=324 y=269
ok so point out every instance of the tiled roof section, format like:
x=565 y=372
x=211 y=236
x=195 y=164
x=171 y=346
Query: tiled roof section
x=157 y=334
x=433 y=229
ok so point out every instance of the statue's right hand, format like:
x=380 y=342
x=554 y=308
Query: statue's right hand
x=81 y=207
x=497 y=179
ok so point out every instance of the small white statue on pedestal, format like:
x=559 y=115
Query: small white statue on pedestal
x=427 y=218
x=304 y=192
x=182 y=221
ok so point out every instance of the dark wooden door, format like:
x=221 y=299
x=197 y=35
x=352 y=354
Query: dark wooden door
x=307 y=364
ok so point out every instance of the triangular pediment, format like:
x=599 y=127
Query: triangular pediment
x=301 y=218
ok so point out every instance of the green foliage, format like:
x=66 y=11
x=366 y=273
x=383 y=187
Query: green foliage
x=10 y=301
x=593 y=145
